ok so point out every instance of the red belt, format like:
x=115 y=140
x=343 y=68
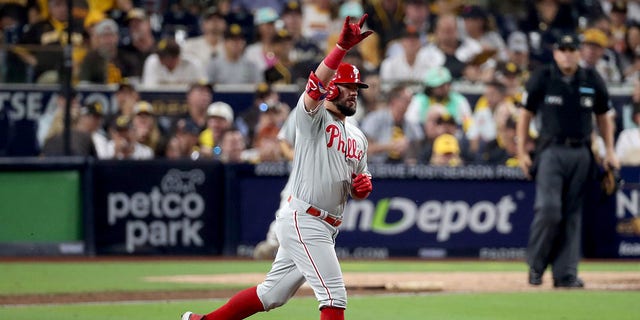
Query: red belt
x=317 y=213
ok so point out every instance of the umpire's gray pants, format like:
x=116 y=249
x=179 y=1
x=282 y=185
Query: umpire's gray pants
x=554 y=237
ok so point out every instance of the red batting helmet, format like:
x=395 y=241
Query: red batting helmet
x=348 y=73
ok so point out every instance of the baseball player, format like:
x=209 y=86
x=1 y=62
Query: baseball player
x=329 y=164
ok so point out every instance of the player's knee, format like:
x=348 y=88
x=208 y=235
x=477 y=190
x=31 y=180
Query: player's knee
x=273 y=301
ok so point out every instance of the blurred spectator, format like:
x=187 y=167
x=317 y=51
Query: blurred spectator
x=248 y=120
x=104 y=63
x=210 y=43
x=15 y=62
x=449 y=49
x=233 y=67
x=145 y=127
x=90 y=121
x=437 y=92
x=416 y=16
x=316 y=21
x=628 y=142
x=502 y=149
x=198 y=97
x=126 y=97
x=369 y=49
x=483 y=128
x=518 y=50
x=389 y=134
x=512 y=77
x=592 y=55
x=52 y=120
x=80 y=137
x=545 y=21
x=438 y=122
x=630 y=58
x=282 y=69
x=50 y=35
x=386 y=19
x=260 y=53
x=123 y=144
x=480 y=26
x=446 y=151
x=618 y=16
x=184 y=142
x=173 y=149
x=232 y=146
x=411 y=64
x=371 y=99
x=178 y=22
x=219 y=119
x=168 y=67
x=304 y=50
x=266 y=144
x=140 y=43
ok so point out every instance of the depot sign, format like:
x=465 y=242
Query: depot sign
x=171 y=210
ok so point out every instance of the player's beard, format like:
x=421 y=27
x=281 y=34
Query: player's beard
x=345 y=109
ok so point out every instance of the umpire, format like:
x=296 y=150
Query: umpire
x=563 y=96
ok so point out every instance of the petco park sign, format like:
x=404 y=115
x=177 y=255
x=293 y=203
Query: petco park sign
x=166 y=216
x=166 y=211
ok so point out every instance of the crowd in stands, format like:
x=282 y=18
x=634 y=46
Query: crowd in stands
x=411 y=113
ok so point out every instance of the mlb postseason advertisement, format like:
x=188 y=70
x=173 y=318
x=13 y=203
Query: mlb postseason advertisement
x=421 y=211
x=627 y=214
x=158 y=207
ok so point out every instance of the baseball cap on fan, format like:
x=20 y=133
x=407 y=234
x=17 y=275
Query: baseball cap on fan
x=220 y=109
x=596 y=37
x=265 y=15
x=351 y=9
x=105 y=26
x=567 y=41
x=143 y=107
x=517 y=42
x=93 y=108
x=446 y=144
x=292 y=7
x=437 y=76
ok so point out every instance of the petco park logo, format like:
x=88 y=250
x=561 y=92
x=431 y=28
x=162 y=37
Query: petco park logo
x=444 y=218
x=165 y=216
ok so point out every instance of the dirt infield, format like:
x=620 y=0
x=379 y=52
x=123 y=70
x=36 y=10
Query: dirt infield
x=357 y=284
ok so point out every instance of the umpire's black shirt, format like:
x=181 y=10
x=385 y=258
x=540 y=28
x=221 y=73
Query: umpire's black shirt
x=565 y=104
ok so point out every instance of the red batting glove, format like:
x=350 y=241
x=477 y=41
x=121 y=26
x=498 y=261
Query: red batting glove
x=361 y=186
x=333 y=92
x=351 y=34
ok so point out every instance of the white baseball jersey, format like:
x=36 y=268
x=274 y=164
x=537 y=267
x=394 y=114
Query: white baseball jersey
x=327 y=153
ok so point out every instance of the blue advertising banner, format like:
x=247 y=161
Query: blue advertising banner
x=455 y=213
x=158 y=207
x=627 y=214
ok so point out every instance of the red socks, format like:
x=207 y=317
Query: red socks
x=330 y=313
x=242 y=305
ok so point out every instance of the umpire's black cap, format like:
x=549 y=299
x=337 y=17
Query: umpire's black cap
x=568 y=41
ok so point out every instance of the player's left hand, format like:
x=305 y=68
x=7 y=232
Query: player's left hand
x=361 y=186
x=351 y=33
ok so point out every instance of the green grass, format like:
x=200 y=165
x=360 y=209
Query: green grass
x=567 y=305
x=108 y=275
